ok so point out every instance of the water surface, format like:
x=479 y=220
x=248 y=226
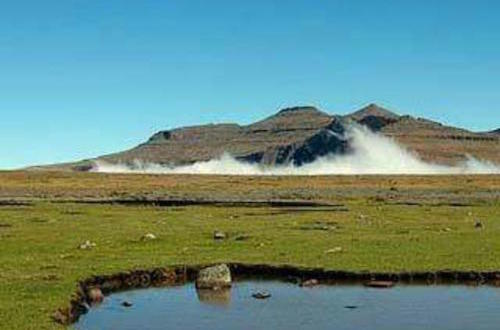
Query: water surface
x=348 y=307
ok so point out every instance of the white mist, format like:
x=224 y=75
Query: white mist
x=372 y=153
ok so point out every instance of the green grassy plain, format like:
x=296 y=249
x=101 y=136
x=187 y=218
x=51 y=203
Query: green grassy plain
x=40 y=262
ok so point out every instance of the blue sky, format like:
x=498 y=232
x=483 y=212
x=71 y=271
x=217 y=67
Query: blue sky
x=79 y=78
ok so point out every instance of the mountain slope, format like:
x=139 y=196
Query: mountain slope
x=497 y=131
x=442 y=144
x=301 y=134
x=293 y=135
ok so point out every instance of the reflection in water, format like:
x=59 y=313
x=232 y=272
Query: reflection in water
x=220 y=297
x=344 y=307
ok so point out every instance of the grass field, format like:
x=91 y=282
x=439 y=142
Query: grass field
x=386 y=224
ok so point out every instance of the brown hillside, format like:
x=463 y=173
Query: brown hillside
x=301 y=134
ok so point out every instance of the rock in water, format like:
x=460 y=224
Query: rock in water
x=309 y=283
x=127 y=304
x=214 y=278
x=95 y=295
x=261 y=295
x=350 y=307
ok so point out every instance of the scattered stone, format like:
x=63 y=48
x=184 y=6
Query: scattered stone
x=218 y=235
x=336 y=249
x=214 y=278
x=242 y=237
x=261 y=295
x=309 y=283
x=478 y=224
x=87 y=245
x=127 y=304
x=148 y=237
x=95 y=295
x=380 y=284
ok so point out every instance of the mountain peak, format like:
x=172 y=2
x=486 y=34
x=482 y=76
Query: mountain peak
x=306 y=117
x=301 y=134
x=293 y=110
x=373 y=110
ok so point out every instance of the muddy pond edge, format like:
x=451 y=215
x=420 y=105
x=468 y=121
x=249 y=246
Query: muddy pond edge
x=83 y=298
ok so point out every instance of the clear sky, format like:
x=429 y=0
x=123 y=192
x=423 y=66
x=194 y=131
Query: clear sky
x=79 y=78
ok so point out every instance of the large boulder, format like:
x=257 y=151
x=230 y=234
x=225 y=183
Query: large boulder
x=214 y=278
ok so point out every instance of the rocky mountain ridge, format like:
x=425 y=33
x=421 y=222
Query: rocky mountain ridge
x=299 y=135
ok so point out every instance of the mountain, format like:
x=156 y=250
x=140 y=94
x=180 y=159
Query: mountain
x=374 y=117
x=297 y=135
x=497 y=131
x=301 y=134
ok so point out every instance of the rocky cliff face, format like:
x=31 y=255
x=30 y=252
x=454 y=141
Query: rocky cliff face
x=299 y=135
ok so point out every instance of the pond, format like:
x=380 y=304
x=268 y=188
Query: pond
x=292 y=307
